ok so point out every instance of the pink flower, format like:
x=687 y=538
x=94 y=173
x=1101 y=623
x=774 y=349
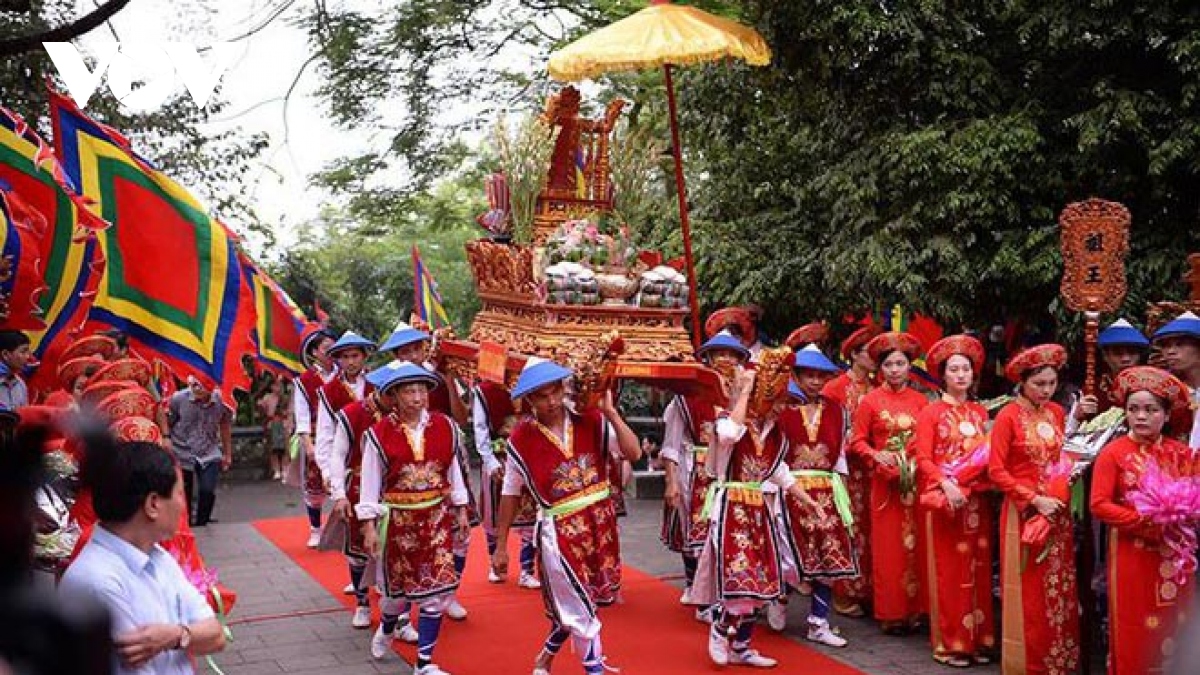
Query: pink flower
x=1174 y=504
x=969 y=470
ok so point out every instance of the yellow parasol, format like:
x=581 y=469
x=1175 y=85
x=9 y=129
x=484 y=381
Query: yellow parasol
x=663 y=35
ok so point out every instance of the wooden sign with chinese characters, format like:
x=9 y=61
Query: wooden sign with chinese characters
x=1095 y=241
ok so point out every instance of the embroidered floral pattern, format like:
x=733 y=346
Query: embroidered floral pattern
x=421 y=476
x=1061 y=606
x=573 y=475
x=751 y=567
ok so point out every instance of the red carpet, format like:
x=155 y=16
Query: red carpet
x=649 y=633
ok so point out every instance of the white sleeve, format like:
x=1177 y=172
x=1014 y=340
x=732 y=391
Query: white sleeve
x=339 y=449
x=782 y=476
x=842 y=466
x=673 y=426
x=371 y=487
x=514 y=482
x=729 y=432
x=300 y=411
x=458 y=486
x=614 y=445
x=324 y=440
x=483 y=435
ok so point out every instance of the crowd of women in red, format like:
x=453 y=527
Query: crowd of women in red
x=882 y=496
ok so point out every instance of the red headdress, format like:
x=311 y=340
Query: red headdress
x=859 y=338
x=729 y=316
x=943 y=349
x=130 y=429
x=131 y=402
x=125 y=370
x=885 y=343
x=1154 y=380
x=1052 y=355
x=69 y=371
x=812 y=333
x=97 y=345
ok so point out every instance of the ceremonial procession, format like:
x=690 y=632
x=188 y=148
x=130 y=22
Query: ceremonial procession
x=838 y=338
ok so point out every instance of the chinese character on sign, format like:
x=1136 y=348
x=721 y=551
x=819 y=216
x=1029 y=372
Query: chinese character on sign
x=1093 y=275
x=1094 y=242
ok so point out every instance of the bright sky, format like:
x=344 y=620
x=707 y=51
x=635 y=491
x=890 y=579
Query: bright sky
x=301 y=141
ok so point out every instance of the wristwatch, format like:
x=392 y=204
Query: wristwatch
x=185 y=637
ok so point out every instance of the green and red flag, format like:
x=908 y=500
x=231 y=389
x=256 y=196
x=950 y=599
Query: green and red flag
x=70 y=258
x=279 y=321
x=172 y=279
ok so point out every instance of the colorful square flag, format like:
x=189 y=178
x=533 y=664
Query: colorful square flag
x=172 y=280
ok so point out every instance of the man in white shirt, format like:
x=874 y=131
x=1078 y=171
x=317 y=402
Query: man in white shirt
x=158 y=618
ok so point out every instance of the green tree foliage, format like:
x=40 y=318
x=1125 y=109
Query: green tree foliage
x=911 y=152
x=360 y=269
x=920 y=152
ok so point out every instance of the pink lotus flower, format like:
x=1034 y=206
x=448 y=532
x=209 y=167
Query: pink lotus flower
x=202 y=579
x=971 y=470
x=1058 y=478
x=1174 y=504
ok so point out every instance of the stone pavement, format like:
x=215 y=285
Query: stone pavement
x=285 y=622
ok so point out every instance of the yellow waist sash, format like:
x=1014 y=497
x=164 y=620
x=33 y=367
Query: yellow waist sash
x=584 y=499
x=841 y=496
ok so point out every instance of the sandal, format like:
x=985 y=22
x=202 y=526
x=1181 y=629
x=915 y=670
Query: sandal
x=952 y=660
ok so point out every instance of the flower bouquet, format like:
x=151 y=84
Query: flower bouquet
x=906 y=465
x=1035 y=532
x=597 y=245
x=969 y=472
x=183 y=548
x=1174 y=505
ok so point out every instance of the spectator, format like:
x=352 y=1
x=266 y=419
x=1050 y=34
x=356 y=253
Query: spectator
x=275 y=432
x=202 y=436
x=14 y=355
x=158 y=618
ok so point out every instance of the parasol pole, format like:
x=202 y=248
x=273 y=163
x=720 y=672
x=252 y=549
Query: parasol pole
x=685 y=225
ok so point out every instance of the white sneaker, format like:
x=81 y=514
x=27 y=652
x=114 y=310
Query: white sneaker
x=276 y=476
x=718 y=647
x=348 y=589
x=777 y=616
x=455 y=610
x=528 y=580
x=381 y=643
x=820 y=632
x=314 y=537
x=752 y=658
x=705 y=614
x=431 y=669
x=494 y=578
x=686 y=597
x=406 y=633
x=362 y=617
